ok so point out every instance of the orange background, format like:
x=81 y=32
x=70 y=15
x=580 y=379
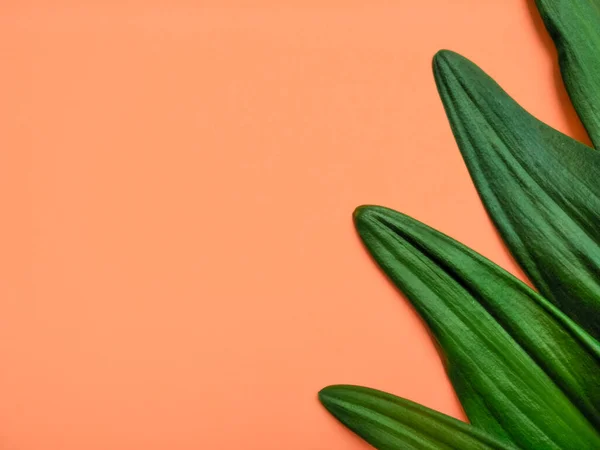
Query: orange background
x=178 y=265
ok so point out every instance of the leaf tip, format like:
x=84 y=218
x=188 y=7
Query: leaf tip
x=327 y=393
x=330 y=395
x=359 y=213
x=367 y=213
x=443 y=59
x=446 y=64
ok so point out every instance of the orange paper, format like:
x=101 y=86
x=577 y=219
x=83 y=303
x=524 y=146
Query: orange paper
x=178 y=265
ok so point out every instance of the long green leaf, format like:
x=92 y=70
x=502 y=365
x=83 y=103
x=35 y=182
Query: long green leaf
x=575 y=28
x=522 y=369
x=541 y=188
x=391 y=423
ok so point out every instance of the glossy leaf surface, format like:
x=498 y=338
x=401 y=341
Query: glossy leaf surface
x=574 y=25
x=522 y=369
x=540 y=187
x=392 y=423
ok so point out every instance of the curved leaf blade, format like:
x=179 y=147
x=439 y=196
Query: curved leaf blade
x=522 y=369
x=574 y=26
x=539 y=186
x=391 y=423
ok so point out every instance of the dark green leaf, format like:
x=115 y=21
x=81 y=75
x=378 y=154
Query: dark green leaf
x=391 y=423
x=541 y=188
x=575 y=28
x=522 y=369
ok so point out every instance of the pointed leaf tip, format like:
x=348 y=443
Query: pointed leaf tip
x=445 y=62
x=392 y=423
x=523 y=370
x=539 y=186
x=359 y=212
x=443 y=57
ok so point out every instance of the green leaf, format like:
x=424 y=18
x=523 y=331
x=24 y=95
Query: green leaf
x=540 y=187
x=391 y=423
x=574 y=25
x=522 y=369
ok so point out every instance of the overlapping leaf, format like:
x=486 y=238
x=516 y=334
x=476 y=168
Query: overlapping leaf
x=391 y=423
x=575 y=28
x=540 y=187
x=526 y=369
x=523 y=370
